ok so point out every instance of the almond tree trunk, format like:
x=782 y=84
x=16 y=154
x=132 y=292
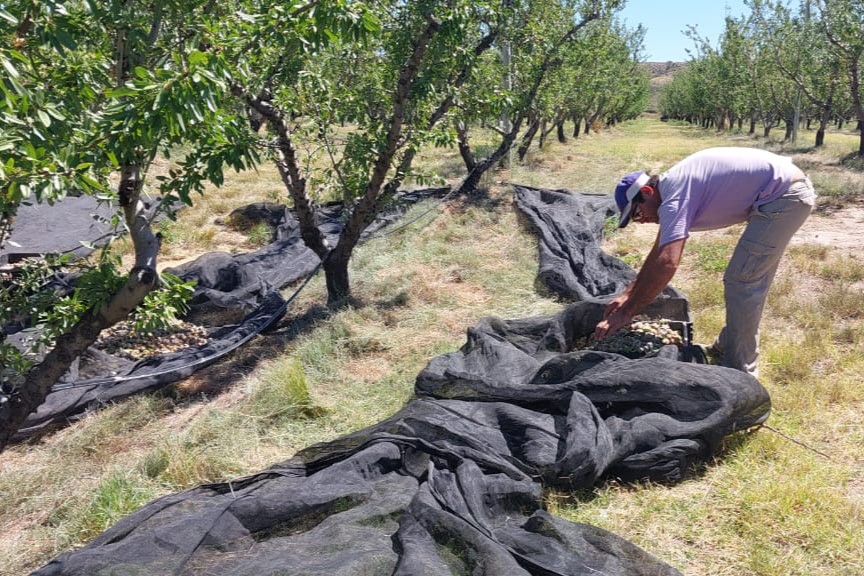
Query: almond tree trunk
x=464 y=147
x=142 y=279
x=527 y=138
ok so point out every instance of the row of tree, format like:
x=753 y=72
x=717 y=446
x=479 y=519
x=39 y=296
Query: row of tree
x=339 y=94
x=784 y=63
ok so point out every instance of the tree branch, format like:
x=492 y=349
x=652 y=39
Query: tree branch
x=289 y=168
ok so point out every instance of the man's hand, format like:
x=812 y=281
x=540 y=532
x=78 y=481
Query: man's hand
x=655 y=274
x=614 y=319
x=614 y=305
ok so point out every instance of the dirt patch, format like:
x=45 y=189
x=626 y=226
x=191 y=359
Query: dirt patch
x=841 y=229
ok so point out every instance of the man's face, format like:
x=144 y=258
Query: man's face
x=646 y=207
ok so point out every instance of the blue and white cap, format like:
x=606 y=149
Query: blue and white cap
x=626 y=191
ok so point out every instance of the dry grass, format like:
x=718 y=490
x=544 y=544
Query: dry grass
x=764 y=506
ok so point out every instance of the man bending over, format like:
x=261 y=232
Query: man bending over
x=712 y=189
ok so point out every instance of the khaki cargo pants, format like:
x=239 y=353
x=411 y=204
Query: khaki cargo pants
x=751 y=271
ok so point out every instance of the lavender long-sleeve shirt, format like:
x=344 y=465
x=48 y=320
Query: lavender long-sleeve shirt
x=718 y=187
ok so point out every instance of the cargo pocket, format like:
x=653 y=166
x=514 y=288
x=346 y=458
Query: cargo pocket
x=751 y=261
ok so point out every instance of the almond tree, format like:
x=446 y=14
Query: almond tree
x=843 y=22
x=94 y=89
x=367 y=95
x=817 y=70
x=538 y=33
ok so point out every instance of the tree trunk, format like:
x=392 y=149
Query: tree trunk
x=543 y=134
x=787 y=136
x=766 y=131
x=560 y=129
x=577 y=122
x=527 y=138
x=464 y=146
x=752 y=125
x=338 y=282
x=69 y=346
x=823 y=124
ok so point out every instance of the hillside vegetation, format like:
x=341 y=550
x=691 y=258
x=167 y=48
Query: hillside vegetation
x=765 y=505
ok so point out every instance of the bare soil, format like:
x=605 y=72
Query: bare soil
x=842 y=229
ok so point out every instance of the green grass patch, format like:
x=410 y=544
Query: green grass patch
x=118 y=494
x=711 y=256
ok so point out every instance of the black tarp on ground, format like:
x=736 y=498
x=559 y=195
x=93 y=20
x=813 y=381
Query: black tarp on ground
x=451 y=483
x=238 y=281
x=245 y=282
x=71 y=397
x=61 y=228
x=569 y=227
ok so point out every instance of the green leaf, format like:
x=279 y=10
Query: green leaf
x=6 y=16
x=197 y=58
x=44 y=118
x=9 y=67
x=120 y=92
x=66 y=40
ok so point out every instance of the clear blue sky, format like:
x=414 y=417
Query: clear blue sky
x=666 y=20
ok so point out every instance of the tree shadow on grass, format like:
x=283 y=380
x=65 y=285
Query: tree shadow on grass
x=219 y=377
x=853 y=161
x=480 y=198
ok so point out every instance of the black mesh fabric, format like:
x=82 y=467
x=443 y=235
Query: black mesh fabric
x=569 y=228
x=452 y=484
x=247 y=283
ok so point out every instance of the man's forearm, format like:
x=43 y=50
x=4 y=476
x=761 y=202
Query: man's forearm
x=645 y=288
x=656 y=273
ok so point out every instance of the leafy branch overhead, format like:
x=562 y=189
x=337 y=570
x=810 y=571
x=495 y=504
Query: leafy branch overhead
x=339 y=95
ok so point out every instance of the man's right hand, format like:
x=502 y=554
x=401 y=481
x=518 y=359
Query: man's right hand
x=615 y=321
x=614 y=305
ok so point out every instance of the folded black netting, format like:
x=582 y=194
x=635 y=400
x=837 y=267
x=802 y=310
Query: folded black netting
x=452 y=484
x=569 y=228
x=248 y=283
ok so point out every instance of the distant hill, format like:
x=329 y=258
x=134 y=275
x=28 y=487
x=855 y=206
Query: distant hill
x=661 y=73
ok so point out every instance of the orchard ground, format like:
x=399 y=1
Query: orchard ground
x=765 y=505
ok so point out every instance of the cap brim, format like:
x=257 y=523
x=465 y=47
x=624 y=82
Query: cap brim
x=631 y=194
x=626 y=214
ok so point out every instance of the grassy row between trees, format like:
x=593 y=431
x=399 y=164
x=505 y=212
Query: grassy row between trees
x=765 y=505
x=95 y=92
